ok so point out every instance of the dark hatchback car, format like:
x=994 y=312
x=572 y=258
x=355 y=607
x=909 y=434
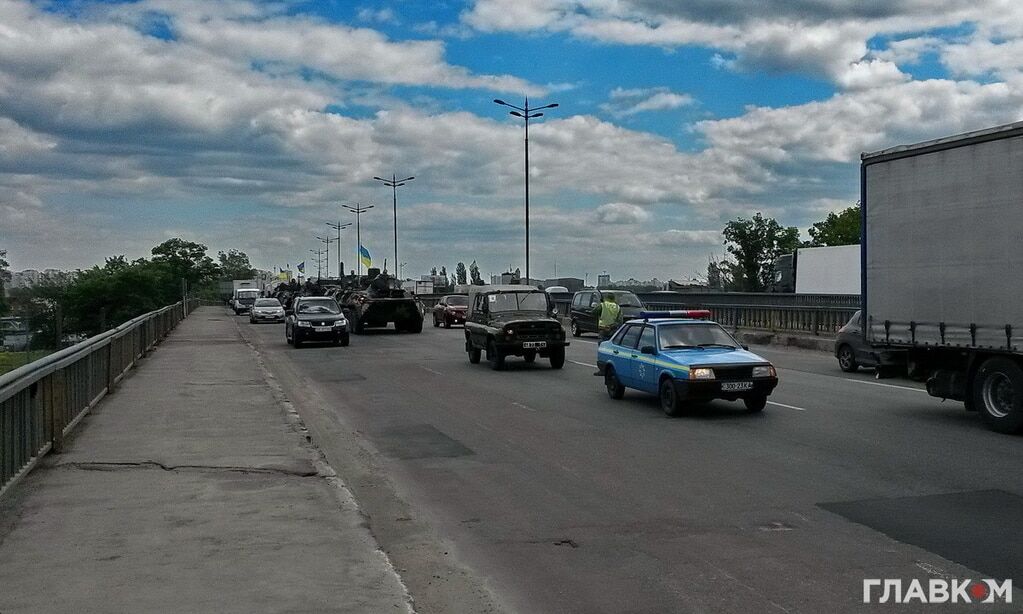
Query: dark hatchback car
x=851 y=350
x=450 y=310
x=315 y=318
x=582 y=315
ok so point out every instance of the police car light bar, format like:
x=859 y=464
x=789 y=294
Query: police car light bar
x=696 y=314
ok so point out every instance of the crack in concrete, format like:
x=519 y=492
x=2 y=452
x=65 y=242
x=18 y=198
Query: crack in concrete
x=151 y=464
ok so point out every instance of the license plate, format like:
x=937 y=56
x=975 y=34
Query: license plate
x=534 y=345
x=736 y=386
x=322 y=329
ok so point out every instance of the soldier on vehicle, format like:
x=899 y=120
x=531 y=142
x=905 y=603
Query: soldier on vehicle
x=609 y=316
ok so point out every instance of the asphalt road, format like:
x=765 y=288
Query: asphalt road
x=530 y=490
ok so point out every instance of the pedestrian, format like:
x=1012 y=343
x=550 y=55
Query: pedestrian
x=609 y=316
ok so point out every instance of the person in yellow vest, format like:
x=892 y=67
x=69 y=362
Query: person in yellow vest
x=609 y=316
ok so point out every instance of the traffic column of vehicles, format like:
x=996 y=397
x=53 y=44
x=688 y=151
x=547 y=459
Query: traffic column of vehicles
x=941 y=258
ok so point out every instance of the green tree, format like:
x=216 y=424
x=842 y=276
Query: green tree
x=235 y=264
x=755 y=243
x=461 y=274
x=5 y=278
x=842 y=228
x=185 y=260
x=474 y=274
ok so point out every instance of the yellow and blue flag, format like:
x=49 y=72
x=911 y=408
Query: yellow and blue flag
x=364 y=257
x=301 y=267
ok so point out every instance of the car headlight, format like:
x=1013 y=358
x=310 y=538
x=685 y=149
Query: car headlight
x=701 y=373
x=340 y=323
x=764 y=371
x=509 y=332
x=303 y=323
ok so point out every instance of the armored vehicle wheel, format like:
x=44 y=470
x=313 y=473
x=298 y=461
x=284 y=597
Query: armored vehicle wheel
x=474 y=356
x=530 y=356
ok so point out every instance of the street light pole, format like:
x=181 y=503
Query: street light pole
x=339 y=227
x=526 y=113
x=394 y=183
x=319 y=263
x=327 y=241
x=358 y=210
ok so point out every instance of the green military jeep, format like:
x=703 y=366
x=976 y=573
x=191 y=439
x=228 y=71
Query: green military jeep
x=513 y=320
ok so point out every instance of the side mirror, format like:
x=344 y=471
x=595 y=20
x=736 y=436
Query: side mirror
x=648 y=349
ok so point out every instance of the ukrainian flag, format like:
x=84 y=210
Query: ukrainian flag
x=364 y=257
x=301 y=267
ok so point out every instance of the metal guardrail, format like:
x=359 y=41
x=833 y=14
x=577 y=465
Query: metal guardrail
x=814 y=314
x=41 y=402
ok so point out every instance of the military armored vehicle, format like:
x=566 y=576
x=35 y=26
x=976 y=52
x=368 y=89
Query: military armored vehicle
x=377 y=300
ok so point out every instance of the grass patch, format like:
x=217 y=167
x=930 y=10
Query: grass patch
x=10 y=361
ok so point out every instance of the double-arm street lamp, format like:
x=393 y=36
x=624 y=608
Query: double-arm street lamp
x=319 y=261
x=394 y=183
x=339 y=227
x=526 y=113
x=358 y=210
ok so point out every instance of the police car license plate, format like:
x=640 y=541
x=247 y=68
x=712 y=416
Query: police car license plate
x=736 y=386
x=322 y=329
x=534 y=345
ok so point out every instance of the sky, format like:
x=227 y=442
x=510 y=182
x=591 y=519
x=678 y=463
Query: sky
x=247 y=124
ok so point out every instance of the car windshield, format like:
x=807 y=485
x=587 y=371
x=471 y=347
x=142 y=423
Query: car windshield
x=625 y=299
x=517 y=301
x=325 y=305
x=458 y=301
x=674 y=336
x=268 y=302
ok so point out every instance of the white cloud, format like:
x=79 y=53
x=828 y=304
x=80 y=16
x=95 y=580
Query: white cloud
x=626 y=102
x=384 y=15
x=621 y=213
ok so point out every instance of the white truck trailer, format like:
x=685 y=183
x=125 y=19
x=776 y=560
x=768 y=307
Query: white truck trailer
x=942 y=267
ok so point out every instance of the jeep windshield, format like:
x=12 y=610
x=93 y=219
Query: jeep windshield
x=517 y=301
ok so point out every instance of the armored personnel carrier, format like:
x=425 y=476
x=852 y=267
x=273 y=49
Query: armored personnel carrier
x=377 y=300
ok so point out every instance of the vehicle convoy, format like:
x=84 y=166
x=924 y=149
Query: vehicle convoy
x=450 y=310
x=584 y=317
x=315 y=318
x=942 y=256
x=243 y=300
x=512 y=320
x=378 y=300
x=683 y=359
x=266 y=310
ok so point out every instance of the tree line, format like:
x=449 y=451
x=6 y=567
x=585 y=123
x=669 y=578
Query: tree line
x=754 y=244
x=92 y=300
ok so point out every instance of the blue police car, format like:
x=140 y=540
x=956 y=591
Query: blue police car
x=682 y=357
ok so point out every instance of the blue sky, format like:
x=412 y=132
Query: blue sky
x=245 y=124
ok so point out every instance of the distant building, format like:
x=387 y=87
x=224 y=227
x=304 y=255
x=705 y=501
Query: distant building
x=603 y=281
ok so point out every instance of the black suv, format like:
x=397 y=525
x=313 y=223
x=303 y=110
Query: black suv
x=513 y=321
x=584 y=320
x=315 y=318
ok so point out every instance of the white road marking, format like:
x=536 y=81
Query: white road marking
x=525 y=407
x=786 y=406
x=431 y=370
x=583 y=364
x=860 y=381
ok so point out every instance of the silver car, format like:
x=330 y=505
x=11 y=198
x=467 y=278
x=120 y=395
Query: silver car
x=851 y=350
x=266 y=310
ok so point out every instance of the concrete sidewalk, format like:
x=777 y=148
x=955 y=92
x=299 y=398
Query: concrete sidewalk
x=191 y=489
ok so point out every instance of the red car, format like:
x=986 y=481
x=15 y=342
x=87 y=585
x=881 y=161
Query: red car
x=450 y=310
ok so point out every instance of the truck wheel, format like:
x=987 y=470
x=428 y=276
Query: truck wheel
x=615 y=389
x=755 y=404
x=998 y=394
x=475 y=355
x=670 y=401
x=575 y=329
x=847 y=359
x=496 y=358
x=557 y=357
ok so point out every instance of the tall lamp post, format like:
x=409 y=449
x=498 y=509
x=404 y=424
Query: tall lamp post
x=526 y=113
x=319 y=262
x=358 y=210
x=394 y=183
x=339 y=227
x=326 y=250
